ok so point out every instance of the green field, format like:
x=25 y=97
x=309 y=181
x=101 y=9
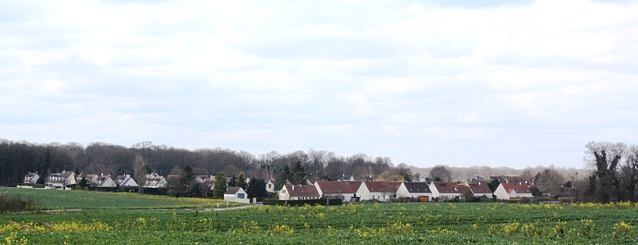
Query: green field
x=55 y=199
x=413 y=223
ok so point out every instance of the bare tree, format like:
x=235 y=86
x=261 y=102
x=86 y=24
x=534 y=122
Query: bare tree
x=629 y=174
x=605 y=156
x=440 y=173
x=139 y=171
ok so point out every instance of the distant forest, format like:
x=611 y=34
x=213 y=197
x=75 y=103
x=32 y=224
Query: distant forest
x=19 y=158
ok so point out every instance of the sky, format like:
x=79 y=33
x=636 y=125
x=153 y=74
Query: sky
x=457 y=83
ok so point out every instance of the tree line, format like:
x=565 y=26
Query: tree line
x=615 y=175
x=19 y=158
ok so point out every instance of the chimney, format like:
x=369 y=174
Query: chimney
x=293 y=187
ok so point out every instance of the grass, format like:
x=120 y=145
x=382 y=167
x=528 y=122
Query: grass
x=78 y=199
x=413 y=223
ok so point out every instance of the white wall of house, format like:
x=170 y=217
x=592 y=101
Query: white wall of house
x=501 y=193
x=381 y=196
x=343 y=196
x=240 y=196
x=363 y=192
x=270 y=187
x=404 y=192
x=108 y=182
x=435 y=192
x=284 y=194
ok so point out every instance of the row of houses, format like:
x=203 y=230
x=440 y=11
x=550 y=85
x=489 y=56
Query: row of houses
x=68 y=179
x=388 y=190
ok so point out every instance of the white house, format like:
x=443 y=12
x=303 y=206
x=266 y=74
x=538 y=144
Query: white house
x=378 y=190
x=155 y=181
x=31 y=178
x=125 y=181
x=298 y=192
x=343 y=190
x=236 y=194
x=60 y=180
x=480 y=189
x=270 y=187
x=346 y=178
x=448 y=190
x=507 y=191
x=414 y=190
x=104 y=181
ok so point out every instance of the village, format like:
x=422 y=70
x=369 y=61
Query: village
x=347 y=189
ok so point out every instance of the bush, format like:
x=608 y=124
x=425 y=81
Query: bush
x=16 y=204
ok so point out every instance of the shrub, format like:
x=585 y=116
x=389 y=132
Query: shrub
x=16 y=204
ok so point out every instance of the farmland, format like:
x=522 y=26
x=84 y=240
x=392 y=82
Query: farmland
x=406 y=223
x=50 y=199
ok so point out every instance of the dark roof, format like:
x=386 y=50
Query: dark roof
x=382 y=186
x=519 y=188
x=480 y=188
x=450 y=187
x=302 y=190
x=337 y=187
x=232 y=190
x=417 y=187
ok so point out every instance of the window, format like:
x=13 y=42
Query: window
x=240 y=195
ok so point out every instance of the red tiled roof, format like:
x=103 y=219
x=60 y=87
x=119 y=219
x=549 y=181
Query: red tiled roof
x=302 y=191
x=480 y=188
x=337 y=187
x=519 y=188
x=450 y=187
x=382 y=186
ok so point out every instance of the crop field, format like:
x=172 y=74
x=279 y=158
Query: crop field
x=406 y=223
x=53 y=199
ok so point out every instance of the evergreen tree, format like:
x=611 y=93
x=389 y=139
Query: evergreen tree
x=406 y=177
x=232 y=181
x=494 y=184
x=241 y=181
x=299 y=175
x=282 y=176
x=186 y=177
x=219 y=187
x=256 y=188
x=83 y=182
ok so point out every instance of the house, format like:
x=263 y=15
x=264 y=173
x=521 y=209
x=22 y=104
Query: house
x=90 y=178
x=104 y=181
x=344 y=190
x=509 y=179
x=60 y=180
x=480 y=189
x=507 y=191
x=236 y=194
x=378 y=190
x=298 y=192
x=270 y=187
x=155 y=181
x=419 y=190
x=346 y=178
x=448 y=190
x=31 y=178
x=126 y=182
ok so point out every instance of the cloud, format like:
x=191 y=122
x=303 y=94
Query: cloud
x=423 y=82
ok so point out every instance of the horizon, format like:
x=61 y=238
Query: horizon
x=425 y=83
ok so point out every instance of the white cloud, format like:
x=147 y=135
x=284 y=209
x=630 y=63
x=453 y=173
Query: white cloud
x=407 y=79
